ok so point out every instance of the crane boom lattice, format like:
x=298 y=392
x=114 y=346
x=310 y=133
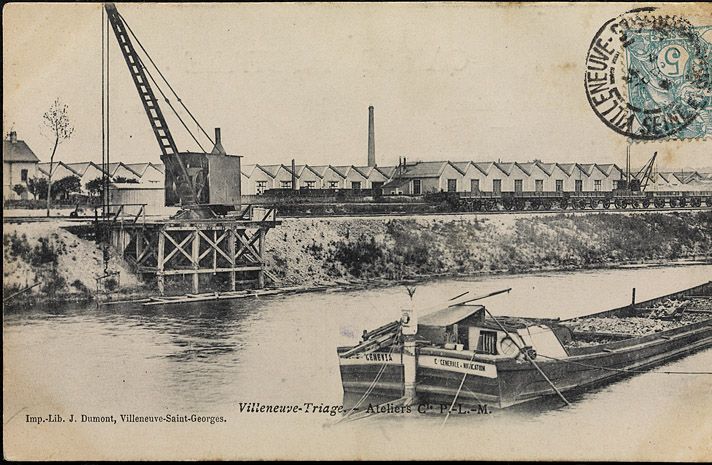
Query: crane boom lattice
x=169 y=151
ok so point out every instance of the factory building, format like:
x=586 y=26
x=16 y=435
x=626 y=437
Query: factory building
x=681 y=181
x=144 y=173
x=416 y=178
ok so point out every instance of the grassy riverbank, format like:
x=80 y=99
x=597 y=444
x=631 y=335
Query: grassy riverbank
x=340 y=251
x=323 y=250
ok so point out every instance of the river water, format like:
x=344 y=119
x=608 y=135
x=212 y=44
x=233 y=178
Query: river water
x=208 y=358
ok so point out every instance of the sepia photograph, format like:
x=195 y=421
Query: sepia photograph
x=357 y=231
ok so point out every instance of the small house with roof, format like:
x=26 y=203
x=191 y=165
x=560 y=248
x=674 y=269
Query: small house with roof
x=425 y=177
x=19 y=164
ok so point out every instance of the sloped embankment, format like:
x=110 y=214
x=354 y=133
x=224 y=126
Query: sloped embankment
x=323 y=251
x=305 y=251
x=64 y=265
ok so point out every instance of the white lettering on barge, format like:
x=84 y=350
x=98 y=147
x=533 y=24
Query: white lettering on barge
x=375 y=358
x=458 y=365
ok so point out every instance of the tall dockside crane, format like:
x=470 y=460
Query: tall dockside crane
x=190 y=182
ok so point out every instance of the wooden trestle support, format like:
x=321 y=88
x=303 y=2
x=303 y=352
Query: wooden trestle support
x=193 y=247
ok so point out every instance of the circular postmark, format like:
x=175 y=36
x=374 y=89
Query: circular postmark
x=650 y=76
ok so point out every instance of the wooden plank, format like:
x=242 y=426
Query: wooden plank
x=190 y=271
x=114 y=302
x=248 y=245
x=269 y=292
x=271 y=276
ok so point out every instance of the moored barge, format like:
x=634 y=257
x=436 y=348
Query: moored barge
x=461 y=353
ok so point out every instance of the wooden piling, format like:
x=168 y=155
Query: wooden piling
x=160 y=278
x=231 y=246
x=196 y=260
x=261 y=273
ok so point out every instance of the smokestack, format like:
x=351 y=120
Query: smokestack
x=294 y=174
x=371 y=139
x=218 y=148
x=13 y=137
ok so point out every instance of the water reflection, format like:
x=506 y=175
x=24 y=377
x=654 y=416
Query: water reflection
x=210 y=356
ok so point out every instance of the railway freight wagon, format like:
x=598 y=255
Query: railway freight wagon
x=619 y=199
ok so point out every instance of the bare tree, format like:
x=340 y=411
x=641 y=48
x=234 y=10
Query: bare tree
x=56 y=119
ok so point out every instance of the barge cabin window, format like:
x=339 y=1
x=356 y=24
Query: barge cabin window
x=488 y=342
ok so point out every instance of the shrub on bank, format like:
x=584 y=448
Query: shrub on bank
x=412 y=247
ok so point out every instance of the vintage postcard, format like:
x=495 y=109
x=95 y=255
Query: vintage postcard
x=357 y=231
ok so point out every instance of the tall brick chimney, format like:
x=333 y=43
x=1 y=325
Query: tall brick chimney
x=294 y=174
x=371 y=139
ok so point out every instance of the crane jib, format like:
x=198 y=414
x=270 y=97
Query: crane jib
x=169 y=152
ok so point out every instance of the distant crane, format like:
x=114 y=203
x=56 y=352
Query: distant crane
x=638 y=182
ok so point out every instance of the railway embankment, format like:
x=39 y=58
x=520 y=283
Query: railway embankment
x=381 y=250
x=386 y=248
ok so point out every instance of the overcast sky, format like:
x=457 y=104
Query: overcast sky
x=448 y=81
